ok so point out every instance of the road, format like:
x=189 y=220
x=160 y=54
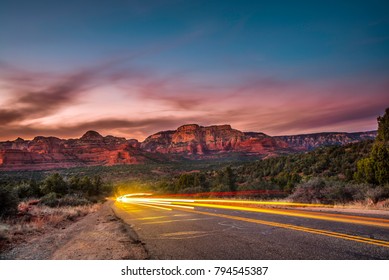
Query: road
x=206 y=229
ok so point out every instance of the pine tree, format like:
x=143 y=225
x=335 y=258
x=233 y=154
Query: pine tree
x=375 y=168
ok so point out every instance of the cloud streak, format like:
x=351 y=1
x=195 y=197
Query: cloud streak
x=37 y=103
x=253 y=103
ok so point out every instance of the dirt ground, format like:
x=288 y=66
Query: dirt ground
x=97 y=236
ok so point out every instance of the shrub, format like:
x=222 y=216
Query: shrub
x=324 y=191
x=377 y=194
x=375 y=168
x=54 y=184
x=8 y=201
x=28 y=190
x=309 y=192
x=73 y=200
x=50 y=199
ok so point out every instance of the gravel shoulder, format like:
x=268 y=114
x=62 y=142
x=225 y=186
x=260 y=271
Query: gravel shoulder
x=97 y=236
x=347 y=210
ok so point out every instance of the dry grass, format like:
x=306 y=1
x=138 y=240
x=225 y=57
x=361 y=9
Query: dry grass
x=367 y=204
x=384 y=204
x=37 y=219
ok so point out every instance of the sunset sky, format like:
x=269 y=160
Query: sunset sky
x=132 y=68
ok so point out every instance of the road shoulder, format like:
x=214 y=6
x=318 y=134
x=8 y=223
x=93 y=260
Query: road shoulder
x=97 y=236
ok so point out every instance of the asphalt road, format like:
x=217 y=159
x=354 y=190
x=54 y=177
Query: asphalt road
x=211 y=231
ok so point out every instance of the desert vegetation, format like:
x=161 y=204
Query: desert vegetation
x=53 y=191
x=33 y=207
x=34 y=219
x=356 y=172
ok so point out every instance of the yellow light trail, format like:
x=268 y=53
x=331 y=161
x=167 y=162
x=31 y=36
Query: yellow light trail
x=345 y=216
x=370 y=241
x=251 y=207
x=133 y=198
x=156 y=203
x=152 y=218
x=277 y=203
x=300 y=214
x=173 y=221
x=298 y=211
x=167 y=204
x=153 y=206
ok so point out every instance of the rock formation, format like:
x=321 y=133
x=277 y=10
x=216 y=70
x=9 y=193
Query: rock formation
x=188 y=141
x=307 y=142
x=51 y=152
x=193 y=139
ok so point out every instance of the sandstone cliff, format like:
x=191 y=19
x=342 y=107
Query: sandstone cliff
x=193 y=139
x=307 y=142
x=52 y=152
x=189 y=141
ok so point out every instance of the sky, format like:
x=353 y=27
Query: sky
x=131 y=68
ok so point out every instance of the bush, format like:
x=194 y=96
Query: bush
x=50 y=199
x=54 y=183
x=310 y=192
x=377 y=194
x=53 y=200
x=375 y=168
x=324 y=191
x=28 y=190
x=318 y=190
x=73 y=200
x=8 y=201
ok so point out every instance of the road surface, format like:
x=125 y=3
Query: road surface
x=219 y=230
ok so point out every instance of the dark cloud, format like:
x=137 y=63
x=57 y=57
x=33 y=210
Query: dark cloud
x=179 y=93
x=36 y=95
x=266 y=104
x=151 y=125
x=8 y=116
x=39 y=103
x=146 y=126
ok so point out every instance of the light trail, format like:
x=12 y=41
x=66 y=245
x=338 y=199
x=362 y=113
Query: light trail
x=166 y=204
x=254 y=206
x=360 y=239
x=301 y=214
x=175 y=220
x=170 y=205
x=152 y=218
x=190 y=205
x=343 y=215
x=275 y=203
x=153 y=206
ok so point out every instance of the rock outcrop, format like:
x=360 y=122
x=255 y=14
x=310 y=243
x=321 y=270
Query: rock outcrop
x=188 y=141
x=307 y=142
x=51 y=152
x=193 y=139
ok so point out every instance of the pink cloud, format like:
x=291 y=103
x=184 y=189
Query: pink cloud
x=147 y=102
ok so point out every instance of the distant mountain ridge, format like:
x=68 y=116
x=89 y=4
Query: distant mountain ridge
x=189 y=141
x=192 y=139
x=306 y=142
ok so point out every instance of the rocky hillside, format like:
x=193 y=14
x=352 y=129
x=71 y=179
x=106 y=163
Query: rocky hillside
x=307 y=142
x=52 y=152
x=189 y=141
x=193 y=139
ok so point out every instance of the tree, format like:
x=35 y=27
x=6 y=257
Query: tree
x=226 y=178
x=8 y=200
x=375 y=168
x=383 y=127
x=54 y=184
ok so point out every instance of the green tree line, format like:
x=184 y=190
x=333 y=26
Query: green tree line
x=53 y=190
